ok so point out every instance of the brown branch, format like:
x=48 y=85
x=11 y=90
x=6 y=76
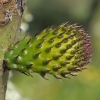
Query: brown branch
x=10 y=17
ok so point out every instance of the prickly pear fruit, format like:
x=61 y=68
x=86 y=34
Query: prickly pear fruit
x=61 y=51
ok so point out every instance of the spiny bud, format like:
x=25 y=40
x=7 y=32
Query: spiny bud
x=45 y=62
x=48 y=49
x=56 y=56
x=51 y=40
x=61 y=52
x=36 y=55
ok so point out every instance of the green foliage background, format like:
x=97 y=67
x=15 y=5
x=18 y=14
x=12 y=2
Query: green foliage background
x=86 y=86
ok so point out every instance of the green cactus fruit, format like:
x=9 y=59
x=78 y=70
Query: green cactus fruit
x=61 y=52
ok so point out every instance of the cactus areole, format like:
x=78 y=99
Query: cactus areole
x=62 y=51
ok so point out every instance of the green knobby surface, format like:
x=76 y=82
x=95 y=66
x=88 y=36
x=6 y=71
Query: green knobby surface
x=62 y=51
x=9 y=26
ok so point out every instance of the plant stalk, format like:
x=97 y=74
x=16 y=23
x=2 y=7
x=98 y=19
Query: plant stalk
x=11 y=12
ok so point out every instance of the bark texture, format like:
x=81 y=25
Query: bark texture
x=10 y=17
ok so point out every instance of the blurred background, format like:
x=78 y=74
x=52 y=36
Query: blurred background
x=40 y=14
